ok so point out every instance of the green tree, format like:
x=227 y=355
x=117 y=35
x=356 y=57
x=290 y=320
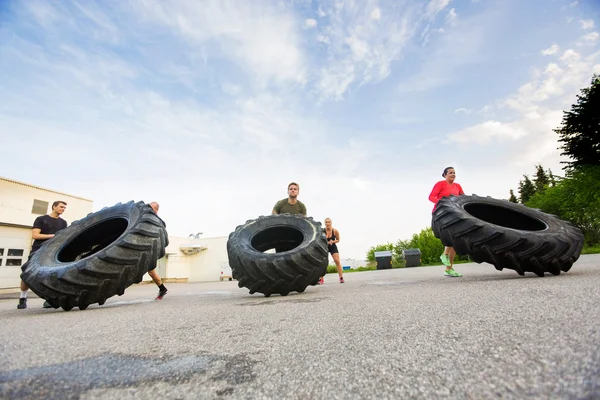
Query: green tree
x=551 y=178
x=541 y=180
x=512 y=198
x=580 y=129
x=381 y=247
x=431 y=247
x=526 y=189
x=576 y=198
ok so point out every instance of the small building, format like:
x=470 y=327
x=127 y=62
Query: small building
x=194 y=259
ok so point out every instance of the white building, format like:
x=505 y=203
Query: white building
x=186 y=259
x=194 y=260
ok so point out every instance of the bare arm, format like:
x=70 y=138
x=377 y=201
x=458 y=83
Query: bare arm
x=36 y=234
x=274 y=212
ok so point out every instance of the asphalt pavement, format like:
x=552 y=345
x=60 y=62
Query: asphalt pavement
x=402 y=333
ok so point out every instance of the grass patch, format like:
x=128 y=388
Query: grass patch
x=591 y=249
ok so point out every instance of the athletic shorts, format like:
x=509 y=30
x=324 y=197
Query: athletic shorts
x=333 y=249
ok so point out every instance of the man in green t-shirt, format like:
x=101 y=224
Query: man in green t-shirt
x=291 y=205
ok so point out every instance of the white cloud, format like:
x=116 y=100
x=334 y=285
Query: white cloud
x=323 y=39
x=362 y=42
x=590 y=38
x=463 y=110
x=550 y=50
x=451 y=17
x=263 y=39
x=455 y=49
x=310 y=23
x=486 y=132
x=335 y=81
x=587 y=24
x=376 y=14
x=434 y=7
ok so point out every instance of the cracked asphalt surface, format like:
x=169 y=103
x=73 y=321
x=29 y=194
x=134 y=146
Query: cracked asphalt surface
x=405 y=333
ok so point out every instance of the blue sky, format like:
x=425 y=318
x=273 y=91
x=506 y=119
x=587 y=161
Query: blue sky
x=213 y=107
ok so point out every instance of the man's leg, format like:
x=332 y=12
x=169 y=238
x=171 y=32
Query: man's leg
x=162 y=290
x=23 y=296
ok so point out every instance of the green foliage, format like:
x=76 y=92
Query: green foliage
x=551 y=177
x=381 y=247
x=576 y=198
x=541 y=180
x=332 y=269
x=430 y=246
x=579 y=131
x=591 y=249
x=370 y=267
x=512 y=198
x=526 y=189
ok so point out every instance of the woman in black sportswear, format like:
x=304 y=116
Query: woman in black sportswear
x=333 y=237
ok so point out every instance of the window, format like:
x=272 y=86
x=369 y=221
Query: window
x=13 y=262
x=39 y=207
x=1 y=252
x=15 y=253
x=0 y=262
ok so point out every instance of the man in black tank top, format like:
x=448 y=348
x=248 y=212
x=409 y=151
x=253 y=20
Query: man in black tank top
x=44 y=228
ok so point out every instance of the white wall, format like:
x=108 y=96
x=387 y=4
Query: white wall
x=12 y=238
x=207 y=266
x=16 y=203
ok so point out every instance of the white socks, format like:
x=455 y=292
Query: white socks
x=23 y=294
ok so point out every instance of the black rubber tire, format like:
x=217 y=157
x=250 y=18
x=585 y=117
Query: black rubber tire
x=301 y=256
x=98 y=256
x=507 y=235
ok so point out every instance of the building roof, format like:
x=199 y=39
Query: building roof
x=41 y=188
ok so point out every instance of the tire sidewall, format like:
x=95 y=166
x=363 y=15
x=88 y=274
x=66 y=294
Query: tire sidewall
x=46 y=258
x=553 y=225
x=242 y=237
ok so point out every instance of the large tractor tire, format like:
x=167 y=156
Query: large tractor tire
x=507 y=235
x=300 y=258
x=98 y=256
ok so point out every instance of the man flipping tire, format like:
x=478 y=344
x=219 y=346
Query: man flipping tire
x=44 y=228
x=162 y=290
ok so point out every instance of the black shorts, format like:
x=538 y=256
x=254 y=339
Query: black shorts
x=333 y=249
x=432 y=224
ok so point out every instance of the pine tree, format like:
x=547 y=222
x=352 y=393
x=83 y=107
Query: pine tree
x=551 y=178
x=512 y=198
x=526 y=189
x=580 y=129
x=541 y=180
